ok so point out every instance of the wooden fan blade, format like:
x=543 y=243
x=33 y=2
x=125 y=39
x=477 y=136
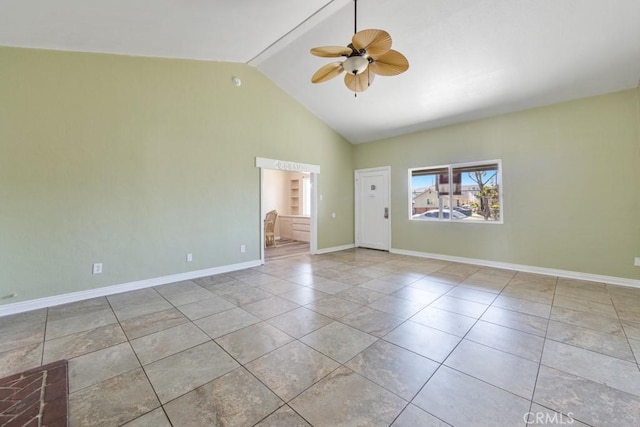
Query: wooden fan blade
x=359 y=82
x=331 y=51
x=391 y=63
x=327 y=72
x=375 y=42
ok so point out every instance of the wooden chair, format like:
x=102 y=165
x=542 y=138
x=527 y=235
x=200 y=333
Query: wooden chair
x=269 y=228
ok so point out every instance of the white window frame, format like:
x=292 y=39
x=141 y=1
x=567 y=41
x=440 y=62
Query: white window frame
x=450 y=168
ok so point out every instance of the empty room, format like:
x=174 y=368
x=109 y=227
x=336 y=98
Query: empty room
x=320 y=213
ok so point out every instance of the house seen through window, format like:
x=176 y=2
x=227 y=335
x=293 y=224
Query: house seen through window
x=469 y=192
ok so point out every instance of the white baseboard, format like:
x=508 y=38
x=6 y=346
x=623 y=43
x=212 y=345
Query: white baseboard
x=613 y=280
x=334 y=249
x=23 y=306
x=20 y=307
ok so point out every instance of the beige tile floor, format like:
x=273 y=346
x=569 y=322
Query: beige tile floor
x=353 y=338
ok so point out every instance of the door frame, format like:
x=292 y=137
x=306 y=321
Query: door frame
x=356 y=174
x=291 y=166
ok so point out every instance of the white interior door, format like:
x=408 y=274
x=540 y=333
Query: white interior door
x=373 y=213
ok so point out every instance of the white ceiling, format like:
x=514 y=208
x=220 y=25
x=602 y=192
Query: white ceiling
x=468 y=58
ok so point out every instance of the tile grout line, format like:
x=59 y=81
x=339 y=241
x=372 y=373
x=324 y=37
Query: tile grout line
x=544 y=343
x=468 y=331
x=624 y=332
x=440 y=364
x=540 y=363
x=140 y=363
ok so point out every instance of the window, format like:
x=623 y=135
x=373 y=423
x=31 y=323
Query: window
x=469 y=192
x=306 y=196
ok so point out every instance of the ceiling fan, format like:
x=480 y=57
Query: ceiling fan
x=368 y=54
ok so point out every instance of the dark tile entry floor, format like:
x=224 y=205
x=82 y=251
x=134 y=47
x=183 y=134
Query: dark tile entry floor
x=37 y=397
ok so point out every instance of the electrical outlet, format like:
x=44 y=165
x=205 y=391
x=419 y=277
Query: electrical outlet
x=189 y=257
x=636 y=262
x=97 y=268
x=243 y=249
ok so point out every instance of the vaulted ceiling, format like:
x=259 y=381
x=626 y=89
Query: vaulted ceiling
x=469 y=59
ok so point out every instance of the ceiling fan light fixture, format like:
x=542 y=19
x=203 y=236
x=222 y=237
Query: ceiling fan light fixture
x=369 y=50
x=355 y=64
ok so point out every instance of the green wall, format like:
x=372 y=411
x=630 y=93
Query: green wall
x=135 y=162
x=571 y=182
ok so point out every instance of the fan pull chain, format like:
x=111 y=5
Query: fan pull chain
x=355 y=16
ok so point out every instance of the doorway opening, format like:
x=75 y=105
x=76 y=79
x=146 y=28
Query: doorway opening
x=287 y=189
x=289 y=195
